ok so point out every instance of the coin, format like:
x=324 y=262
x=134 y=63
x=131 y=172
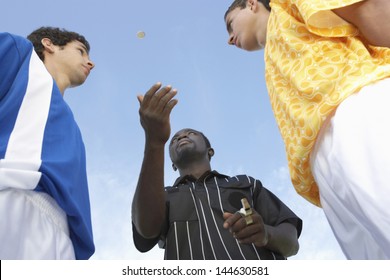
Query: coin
x=140 y=34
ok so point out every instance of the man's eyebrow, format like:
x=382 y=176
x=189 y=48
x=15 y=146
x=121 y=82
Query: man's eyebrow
x=85 y=48
x=81 y=45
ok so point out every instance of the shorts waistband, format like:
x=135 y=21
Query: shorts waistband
x=49 y=206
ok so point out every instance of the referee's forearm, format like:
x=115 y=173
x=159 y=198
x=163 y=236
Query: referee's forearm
x=148 y=208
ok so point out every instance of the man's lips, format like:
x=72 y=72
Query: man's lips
x=183 y=142
x=86 y=70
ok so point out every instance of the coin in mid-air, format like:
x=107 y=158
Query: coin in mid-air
x=140 y=34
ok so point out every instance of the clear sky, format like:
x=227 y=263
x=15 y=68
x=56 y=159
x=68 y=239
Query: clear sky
x=221 y=92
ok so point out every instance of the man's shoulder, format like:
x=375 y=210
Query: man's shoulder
x=171 y=189
x=244 y=178
x=10 y=35
x=17 y=40
x=240 y=177
x=15 y=45
x=14 y=51
x=239 y=181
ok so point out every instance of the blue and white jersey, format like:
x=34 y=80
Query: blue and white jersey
x=41 y=147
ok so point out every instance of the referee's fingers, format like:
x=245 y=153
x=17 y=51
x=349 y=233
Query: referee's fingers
x=140 y=99
x=231 y=219
x=149 y=94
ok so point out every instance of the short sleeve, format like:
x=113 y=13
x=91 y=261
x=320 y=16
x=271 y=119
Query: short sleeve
x=273 y=211
x=321 y=20
x=144 y=244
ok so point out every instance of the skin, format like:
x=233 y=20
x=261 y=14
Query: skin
x=189 y=153
x=282 y=238
x=155 y=108
x=191 y=156
x=247 y=28
x=69 y=65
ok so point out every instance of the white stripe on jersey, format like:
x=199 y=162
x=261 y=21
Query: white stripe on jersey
x=19 y=168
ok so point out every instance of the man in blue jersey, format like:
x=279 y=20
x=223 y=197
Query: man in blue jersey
x=205 y=214
x=44 y=199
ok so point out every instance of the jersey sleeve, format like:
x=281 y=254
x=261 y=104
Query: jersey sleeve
x=322 y=21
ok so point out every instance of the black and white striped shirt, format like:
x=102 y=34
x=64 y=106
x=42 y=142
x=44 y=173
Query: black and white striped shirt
x=194 y=221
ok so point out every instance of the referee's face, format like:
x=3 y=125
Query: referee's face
x=187 y=145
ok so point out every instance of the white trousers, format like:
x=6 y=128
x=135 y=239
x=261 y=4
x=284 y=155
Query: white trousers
x=32 y=226
x=351 y=165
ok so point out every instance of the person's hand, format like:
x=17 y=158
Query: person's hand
x=247 y=229
x=155 y=109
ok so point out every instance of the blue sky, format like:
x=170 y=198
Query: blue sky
x=221 y=91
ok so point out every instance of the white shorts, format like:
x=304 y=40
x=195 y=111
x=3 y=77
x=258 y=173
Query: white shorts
x=32 y=226
x=351 y=165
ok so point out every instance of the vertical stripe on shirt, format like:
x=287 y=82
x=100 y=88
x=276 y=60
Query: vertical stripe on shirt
x=189 y=240
x=177 y=242
x=212 y=213
x=198 y=216
x=239 y=248
x=219 y=194
x=207 y=229
x=252 y=189
x=238 y=243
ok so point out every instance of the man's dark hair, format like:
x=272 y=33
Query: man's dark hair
x=242 y=4
x=59 y=37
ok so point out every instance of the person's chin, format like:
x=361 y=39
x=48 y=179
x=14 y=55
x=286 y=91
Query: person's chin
x=78 y=83
x=253 y=48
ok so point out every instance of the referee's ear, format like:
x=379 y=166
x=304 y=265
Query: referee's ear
x=210 y=153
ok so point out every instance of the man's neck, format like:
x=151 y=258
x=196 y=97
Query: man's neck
x=61 y=81
x=195 y=172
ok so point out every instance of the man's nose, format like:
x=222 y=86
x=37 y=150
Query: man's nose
x=91 y=64
x=181 y=136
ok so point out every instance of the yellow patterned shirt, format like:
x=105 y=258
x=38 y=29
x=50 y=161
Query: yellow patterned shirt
x=314 y=60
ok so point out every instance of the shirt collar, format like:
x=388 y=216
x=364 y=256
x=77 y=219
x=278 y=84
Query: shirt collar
x=189 y=178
